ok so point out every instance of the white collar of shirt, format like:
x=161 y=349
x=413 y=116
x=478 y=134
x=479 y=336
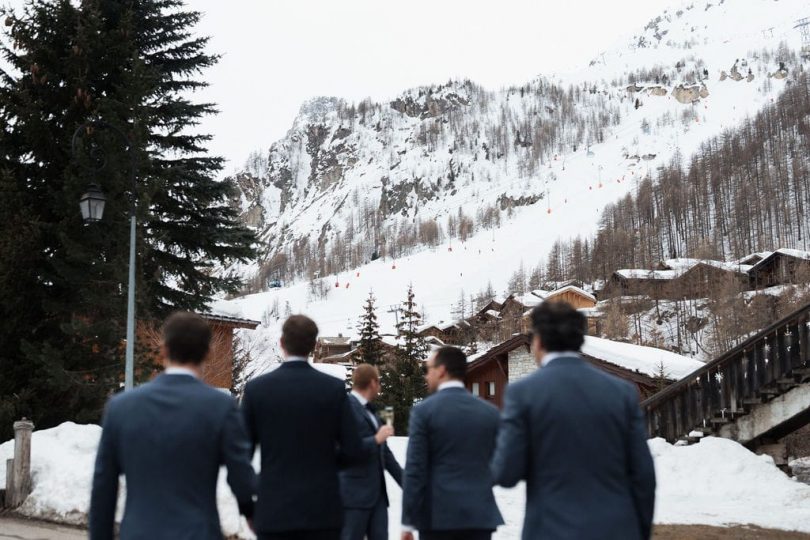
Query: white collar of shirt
x=295 y=359
x=450 y=384
x=177 y=370
x=363 y=401
x=549 y=357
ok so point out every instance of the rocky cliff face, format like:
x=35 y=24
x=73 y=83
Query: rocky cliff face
x=351 y=180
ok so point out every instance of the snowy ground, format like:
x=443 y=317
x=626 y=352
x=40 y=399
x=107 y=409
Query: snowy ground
x=715 y=482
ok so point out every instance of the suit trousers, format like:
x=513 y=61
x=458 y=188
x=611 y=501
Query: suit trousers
x=368 y=523
x=457 y=534
x=328 y=534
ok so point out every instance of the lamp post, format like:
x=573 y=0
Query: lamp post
x=92 y=208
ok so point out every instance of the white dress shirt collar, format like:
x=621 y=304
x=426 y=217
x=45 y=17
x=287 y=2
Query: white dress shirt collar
x=295 y=359
x=179 y=370
x=549 y=357
x=450 y=384
x=363 y=401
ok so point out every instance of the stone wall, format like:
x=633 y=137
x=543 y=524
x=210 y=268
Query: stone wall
x=521 y=363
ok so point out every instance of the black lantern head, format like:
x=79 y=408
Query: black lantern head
x=92 y=204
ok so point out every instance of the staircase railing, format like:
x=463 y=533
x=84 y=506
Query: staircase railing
x=764 y=366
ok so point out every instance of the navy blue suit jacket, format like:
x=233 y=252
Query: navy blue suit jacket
x=577 y=436
x=447 y=483
x=363 y=483
x=169 y=438
x=305 y=428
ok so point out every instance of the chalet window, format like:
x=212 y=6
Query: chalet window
x=476 y=391
x=491 y=392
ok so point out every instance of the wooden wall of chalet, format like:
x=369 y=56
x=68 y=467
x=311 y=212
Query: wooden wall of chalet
x=435 y=332
x=622 y=286
x=779 y=270
x=217 y=370
x=495 y=371
x=701 y=281
x=323 y=350
x=574 y=299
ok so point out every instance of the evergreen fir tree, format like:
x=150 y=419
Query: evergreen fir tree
x=369 y=349
x=403 y=382
x=131 y=64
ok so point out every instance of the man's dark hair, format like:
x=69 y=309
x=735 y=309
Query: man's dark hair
x=560 y=326
x=187 y=338
x=298 y=335
x=454 y=360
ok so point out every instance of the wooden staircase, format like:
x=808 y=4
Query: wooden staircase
x=755 y=393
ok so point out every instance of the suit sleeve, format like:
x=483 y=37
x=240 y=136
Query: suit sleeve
x=510 y=462
x=392 y=465
x=237 y=451
x=640 y=465
x=104 y=494
x=249 y=420
x=415 y=477
x=352 y=448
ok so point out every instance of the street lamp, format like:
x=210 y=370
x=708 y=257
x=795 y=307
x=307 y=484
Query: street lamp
x=92 y=204
x=92 y=207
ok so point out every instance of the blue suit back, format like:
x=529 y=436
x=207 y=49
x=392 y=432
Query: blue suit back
x=447 y=482
x=576 y=435
x=169 y=438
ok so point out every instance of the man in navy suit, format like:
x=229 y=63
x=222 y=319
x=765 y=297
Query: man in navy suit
x=447 y=486
x=305 y=427
x=577 y=436
x=362 y=485
x=169 y=438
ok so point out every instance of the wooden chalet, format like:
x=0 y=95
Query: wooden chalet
x=489 y=372
x=782 y=267
x=575 y=296
x=637 y=282
x=452 y=333
x=217 y=370
x=331 y=346
x=676 y=279
x=697 y=278
x=489 y=313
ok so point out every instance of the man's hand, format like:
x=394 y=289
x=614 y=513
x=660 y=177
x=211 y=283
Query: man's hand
x=407 y=536
x=383 y=433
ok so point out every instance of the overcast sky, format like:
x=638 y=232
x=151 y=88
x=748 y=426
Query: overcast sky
x=276 y=54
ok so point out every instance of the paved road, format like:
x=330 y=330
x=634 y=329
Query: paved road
x=21 y=529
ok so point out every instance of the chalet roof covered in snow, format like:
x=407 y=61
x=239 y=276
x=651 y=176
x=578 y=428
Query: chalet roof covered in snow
x=640 y=358
x=334 y=340
x=785 y=252
x=682 y=265
x=638 y=273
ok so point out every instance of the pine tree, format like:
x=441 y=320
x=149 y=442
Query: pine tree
x=402 y=381
x=661 y=377
x=130 y=64
x=369 y=349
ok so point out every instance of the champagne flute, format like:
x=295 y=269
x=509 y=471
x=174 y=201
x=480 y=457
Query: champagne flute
x=387 y=415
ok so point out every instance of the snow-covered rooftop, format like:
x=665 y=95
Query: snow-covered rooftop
x=683 y=265
x=637 y=273
x=639 y=358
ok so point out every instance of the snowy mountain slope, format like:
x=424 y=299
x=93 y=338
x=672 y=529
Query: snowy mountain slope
x=525 y=165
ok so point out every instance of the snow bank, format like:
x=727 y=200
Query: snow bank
x=715 y=482
x=719 y=482
x=640 y=358
x=62 y=460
